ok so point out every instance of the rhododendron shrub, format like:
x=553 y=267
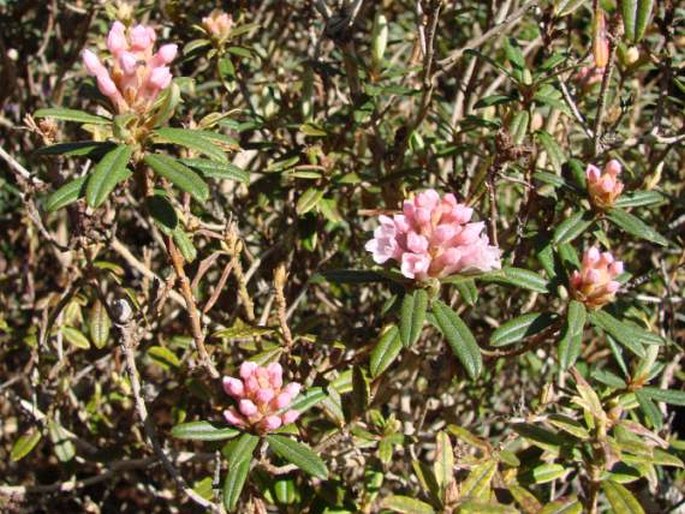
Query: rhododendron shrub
x=351 y=257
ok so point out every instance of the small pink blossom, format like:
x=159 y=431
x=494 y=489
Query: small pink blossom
x=594 y=284
x=262 y=399
x=218 y=24
x=433 y=237
x=137 y=74
x=604 y=187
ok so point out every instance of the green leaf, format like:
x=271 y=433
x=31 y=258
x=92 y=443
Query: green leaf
x=412 y=316
x=467 y=290
x=572 y=336
x=74 y=149
x=234 y=483
x=629 y=15
x=64 y=448
x=644 y=12
x=99 y=324
x=635 y=226
x=299 y=454
x=71 y=115
x=107 y=174
x=308 y=399
x=459 y=337
x=563 y=506
x=203 y=431
x=75 y=337
x=639 y=199
x=406 y=505
x=477 y=484
x=569 y=425
x=496 y=100
x=25 y=444
x=164 y=357
x=519 y=328
x=179 y=174
x=572 y=227
x=309 y=199
x=211 y=169
x=518 y=277
x=485 y=507
x=621 y=499
x=519 y=126
x=554 y=151
x=199 y=140
x=241 y=449
x=670 y=396
x=544 y=474
x=185 y=245
x=443 y=467
x=650 y=410
x=386 y=351
x=624 y=334
x=65 y=195
x=161 y=210
x=166 y=104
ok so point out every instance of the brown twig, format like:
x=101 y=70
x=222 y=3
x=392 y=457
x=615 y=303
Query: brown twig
x=128 y=341
x=280 y=276
x=194 y=315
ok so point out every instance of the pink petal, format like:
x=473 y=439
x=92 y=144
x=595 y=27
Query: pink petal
x=247 y=408
x=233 y=387
x=592 y=173
x=247 y=369
x=233 y=418
x=290 y=416
x=271 y=423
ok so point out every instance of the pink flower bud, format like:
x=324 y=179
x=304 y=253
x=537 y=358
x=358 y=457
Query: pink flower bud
x=247 y=369
x=593 y=173
x=116 y=40
x=594 y=285
x=160 y=78
x=293 y=389
x=613 y=168
x=142 y=38
x=270 y=423
x=275 y=371
x=247 y=408
x=613 y=286
x=106 y=85
x=264 y=396
x=605 y=187
x=283 y=400
x=92 y=63
x=290 y=416
x=433 y=238
x=128 y=63
x=233 y=418
x=167 y=53
x=233 y=387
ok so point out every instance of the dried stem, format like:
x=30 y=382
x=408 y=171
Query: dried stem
x=128 y=342
x=195 y=320
x=280 y=277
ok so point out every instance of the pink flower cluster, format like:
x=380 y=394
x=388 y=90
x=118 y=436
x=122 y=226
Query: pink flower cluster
x=594 y=284
x=138 y=74
x=218 y=24
x=433 y=237
x=604 y=187
x=262 y=398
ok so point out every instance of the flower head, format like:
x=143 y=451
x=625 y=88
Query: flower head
x=594 y=284
x=604 y=187
x=433 y=237
x=262 y=398
x=137 y=74
x=218 y=24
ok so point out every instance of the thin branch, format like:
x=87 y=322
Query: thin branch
x=194 y=315
x=451 y=60
x=128 y=342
